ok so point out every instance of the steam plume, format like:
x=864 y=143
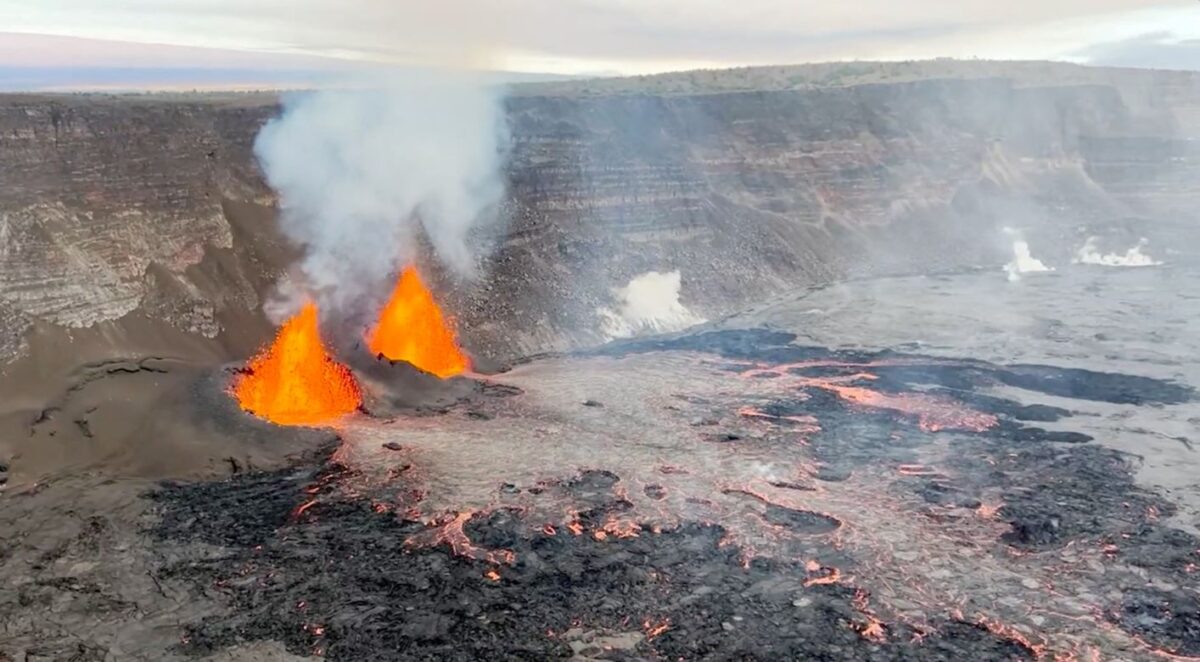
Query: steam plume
x=1023 y=260
x=1134 y=257
x=359 y=170
x=648 y=304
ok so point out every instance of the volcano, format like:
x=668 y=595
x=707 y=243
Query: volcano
x=876 y=448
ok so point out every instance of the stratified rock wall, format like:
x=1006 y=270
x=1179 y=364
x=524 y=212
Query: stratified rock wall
x=751 y=193
x=110 y=203
x=97 y=189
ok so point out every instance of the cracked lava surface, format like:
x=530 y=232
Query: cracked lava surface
x=734 y=492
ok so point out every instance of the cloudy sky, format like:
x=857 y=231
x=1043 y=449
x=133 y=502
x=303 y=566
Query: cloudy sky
x=581 y=36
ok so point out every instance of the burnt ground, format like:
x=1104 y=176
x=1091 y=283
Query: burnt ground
x=297 y=559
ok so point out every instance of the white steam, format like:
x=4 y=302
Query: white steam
x=648 y=304
x=360 y=171
x=1023 y=261
x=1134 y=257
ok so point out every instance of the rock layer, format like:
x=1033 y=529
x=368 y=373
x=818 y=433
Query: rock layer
x=112 y=202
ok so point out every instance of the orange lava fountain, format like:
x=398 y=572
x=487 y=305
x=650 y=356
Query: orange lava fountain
x=412 y=328
x=295 y=381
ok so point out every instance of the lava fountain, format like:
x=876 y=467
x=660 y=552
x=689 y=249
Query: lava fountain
x=412 y=328
x=295 y=381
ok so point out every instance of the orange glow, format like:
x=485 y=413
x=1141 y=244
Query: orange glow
x=873 y=629
x=303 y=507
x=1012 y=634
x=449 y=531
x=412 y=328
x=933 y=413
x=655 y=628
x=823 y=574
x=295 y=381
x=621 y=528
x=988 y=510
x=916 y=470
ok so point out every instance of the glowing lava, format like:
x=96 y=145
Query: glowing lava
x=412 y=328
x=295 y=381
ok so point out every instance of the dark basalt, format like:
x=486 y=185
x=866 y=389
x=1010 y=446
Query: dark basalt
x=801 y=521
x=340 y=582
x=773 y=347
x=1168 y=620
x=368 y=595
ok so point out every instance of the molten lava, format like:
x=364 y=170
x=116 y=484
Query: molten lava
x=412 y=328
x=295 y=381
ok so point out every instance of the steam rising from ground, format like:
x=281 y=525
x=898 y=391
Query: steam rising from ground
x=361 y=170
x=648 y=304
x=1134 y=257
x=1023 y=260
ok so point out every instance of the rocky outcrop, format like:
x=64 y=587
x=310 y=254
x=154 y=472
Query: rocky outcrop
x=121 y=204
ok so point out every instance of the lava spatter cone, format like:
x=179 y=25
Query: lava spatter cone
x=295 y=381
x=412 y=328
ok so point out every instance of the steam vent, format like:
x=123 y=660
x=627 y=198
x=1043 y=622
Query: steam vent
x=854 y=361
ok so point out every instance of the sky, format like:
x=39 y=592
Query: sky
x=53 y=42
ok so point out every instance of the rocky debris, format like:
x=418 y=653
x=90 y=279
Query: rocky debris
x=832 y=473
x=1168 y=620
x=13 y=327
x=1052 y=495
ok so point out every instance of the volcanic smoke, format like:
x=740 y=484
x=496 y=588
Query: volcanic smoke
x=363 y=170
x=295 y=381
x=412 y=328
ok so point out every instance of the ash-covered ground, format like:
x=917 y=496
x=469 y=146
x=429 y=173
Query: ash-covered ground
x=941 y=468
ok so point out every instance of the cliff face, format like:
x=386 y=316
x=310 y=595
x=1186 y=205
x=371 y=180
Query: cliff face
x=750 y=193
x=101 y=194
x=153 y=208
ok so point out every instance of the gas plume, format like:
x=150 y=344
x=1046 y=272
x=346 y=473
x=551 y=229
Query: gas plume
x=364 y=170
x=1134 y=257
x=648 y=304
x=1023 y=260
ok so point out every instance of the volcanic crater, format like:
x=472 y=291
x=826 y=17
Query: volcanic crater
x=843 y=463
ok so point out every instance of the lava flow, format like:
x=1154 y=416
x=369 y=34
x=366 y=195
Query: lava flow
x=412 y=328
x=933 y=413
x=295 y=381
